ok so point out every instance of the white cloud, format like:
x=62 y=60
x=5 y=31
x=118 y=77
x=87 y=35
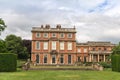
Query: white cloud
x=100 y=24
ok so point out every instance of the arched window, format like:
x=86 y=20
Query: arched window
x=45 y=58
x=37 y=58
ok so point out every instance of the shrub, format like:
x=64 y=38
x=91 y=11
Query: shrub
x=105 y=64
x=8 y=62
x=115 y=62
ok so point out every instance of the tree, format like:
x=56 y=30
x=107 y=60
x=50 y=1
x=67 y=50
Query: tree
x=27 y=44
x=116 y=49
x=2 y=47
x=14 y=45
x=2 y=25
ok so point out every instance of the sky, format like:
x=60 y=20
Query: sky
x=95 y=20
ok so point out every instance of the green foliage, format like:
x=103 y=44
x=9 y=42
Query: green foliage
x=8 y=62
x=115 y=62
x=2 y=47
x=2 y=25
x=27 y=44
x=14 y=45
x=105 y=64
x=116 y=49
x=115 y=57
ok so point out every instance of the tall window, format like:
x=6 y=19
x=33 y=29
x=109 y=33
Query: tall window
x=69 y=59
x=37 y=45
x=61 y=59
x=93 y=49
x=69 y=35
x=53 y=59
x=45 y=46
x=79 y=50
x=45 y=58
x=85 y=50
x=53 y=34
x=53 y=45
x=105 y=49
x=38 y=35
x=69 y=45
x=45 y=35
x=61 y=45
x=37 y=58
x=61 y=35
x=99 y=48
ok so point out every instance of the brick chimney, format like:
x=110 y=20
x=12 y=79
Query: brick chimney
x=41 y=26
x=58 y=26
x=47 y=26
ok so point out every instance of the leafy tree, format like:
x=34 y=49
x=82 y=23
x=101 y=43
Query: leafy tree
x=116 y=49
x=14 y=45
x=2 y=47
x=27 y=44
x=2 y=25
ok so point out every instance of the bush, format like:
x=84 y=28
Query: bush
x=88 y=63
x=105 y=64
x=115 y=62
x=8 y=62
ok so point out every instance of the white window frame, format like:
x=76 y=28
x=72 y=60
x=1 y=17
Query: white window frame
x=85 y=50
x=38 y=35
x=69 y=46
x=37 y=45
x=54 y=45
x=45 y=36
x=61 y=45
x=45 y=45
x=62 y=34
x=53 y=33
x=69 y=34
x=79 y=50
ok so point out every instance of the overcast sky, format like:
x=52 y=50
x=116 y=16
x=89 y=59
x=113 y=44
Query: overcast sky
x=95 y=20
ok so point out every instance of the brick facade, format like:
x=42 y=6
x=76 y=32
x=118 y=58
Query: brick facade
x=58 y=46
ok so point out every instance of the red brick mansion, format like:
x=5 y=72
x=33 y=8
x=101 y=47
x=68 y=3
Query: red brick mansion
x=58 y=46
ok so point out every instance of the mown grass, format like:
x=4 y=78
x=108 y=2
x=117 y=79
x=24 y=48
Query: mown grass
x=107 y=74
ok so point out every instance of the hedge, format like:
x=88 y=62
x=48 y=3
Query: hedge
x=8 y=62
x=115 y=62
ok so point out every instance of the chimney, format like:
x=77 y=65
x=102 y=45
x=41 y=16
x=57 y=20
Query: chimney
x=58 y=26
x=47 y=26
x=41 y=26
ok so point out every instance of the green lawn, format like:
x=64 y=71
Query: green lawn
x=60 y=75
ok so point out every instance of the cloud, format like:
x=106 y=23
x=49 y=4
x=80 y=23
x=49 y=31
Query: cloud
x=95 y=20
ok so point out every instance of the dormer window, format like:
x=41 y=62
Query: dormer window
x=53 y=34
x=61 y=35
x=45 y=35
x=38 y=35
x=69 y=35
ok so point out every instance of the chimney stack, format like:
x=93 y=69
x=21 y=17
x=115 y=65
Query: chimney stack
x=47 y=26
x=41 y=26
x=58 y=26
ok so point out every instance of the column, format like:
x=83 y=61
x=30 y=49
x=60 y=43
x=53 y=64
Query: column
x=90 y=58
x=98 y=57
x=104 y=57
